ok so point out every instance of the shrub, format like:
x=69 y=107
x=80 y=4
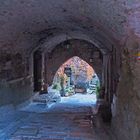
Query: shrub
x=56 y=86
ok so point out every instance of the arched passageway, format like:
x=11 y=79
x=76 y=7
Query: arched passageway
x=67 y=50
x=104 y=62
x=32 y=32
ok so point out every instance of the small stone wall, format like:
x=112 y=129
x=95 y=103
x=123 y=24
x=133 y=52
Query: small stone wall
x=15 y=81
x=16 y=91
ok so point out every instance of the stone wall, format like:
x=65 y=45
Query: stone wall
x=15 y=81
x=15 y=91
x=126 y=111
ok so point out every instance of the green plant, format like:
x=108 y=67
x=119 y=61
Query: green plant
x=56 y=86
x=97 y=90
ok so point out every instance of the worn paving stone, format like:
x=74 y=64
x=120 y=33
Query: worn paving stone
x=26 y=131
x=61 y=122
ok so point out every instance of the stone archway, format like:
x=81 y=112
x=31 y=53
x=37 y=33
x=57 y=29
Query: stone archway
x=107 y=64
x=82 y=49
x=103 y=63
x=111 y=55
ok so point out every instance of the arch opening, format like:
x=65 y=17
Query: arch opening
x=53 y=58
x=68 y=49
x=77 y=82
x=76 y=76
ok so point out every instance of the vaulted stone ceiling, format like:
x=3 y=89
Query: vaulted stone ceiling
x=23 y=23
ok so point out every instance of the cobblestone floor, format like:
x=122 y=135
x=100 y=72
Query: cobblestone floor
x=63 y=121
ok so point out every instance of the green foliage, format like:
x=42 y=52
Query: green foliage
x=97 y=90
x=56 y=86
x=69 y=91
x=62 y=81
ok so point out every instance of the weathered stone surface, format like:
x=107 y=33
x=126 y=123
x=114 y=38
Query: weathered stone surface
x=15 y=91
x=127 y=121
x=62 y=122
x=15 y=83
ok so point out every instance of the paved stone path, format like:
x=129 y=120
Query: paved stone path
x=63 y=121
x=55 y=127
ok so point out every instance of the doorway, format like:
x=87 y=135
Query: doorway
x=37 y=70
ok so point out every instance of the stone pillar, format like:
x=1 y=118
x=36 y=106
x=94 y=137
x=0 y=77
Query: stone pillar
x=108 y=77
x=105 y=75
